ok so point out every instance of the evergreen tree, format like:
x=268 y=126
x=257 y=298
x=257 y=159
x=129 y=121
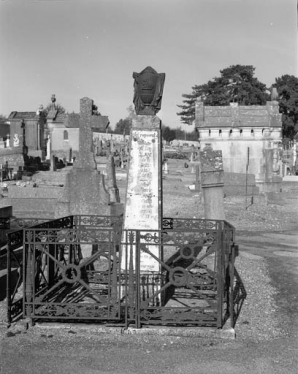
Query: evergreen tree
x=287 y=88
x=236 y=84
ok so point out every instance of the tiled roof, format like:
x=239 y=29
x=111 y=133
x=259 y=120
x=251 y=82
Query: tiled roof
x=52 y=113
x=23 y=115
x=101 y=123
x=56 y=116
x=72 y=120
x=60 y=117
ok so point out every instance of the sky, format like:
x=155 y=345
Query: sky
x=78 y=48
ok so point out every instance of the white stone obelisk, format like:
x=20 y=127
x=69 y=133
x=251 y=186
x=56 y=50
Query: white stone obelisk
x=143 y=206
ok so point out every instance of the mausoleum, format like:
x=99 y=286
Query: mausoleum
x=248 y=137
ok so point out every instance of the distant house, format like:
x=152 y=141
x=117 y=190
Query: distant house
x=45 y=133
x=63 y=131
x=27 y=130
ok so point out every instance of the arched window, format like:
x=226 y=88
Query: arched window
x=65 y=135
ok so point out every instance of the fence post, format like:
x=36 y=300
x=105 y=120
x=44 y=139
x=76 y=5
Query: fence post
x=231 y=296
x=137 y=281
x=219 y=271
x=8 y=283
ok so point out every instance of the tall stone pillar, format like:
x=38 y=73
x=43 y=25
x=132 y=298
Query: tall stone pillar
x=212 y=182
x=143 y=209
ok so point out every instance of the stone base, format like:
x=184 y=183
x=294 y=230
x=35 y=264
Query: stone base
x=273 y=184
x=84 y=193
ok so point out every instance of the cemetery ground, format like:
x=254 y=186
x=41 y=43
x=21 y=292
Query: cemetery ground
x=266 y=331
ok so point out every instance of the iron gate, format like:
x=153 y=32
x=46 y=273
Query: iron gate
x=87 y=268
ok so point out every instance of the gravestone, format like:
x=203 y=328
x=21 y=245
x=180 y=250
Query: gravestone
x=111 y=184
x=212 y=182
x=143 y=209
x=85 y=191
x=195 y=163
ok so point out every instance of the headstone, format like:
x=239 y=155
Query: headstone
x=99 y=147
x=195 y=163
x=191 y=163
x=111 y=184
x=212 y=179
x=198 y=179
x=70 y=155
x=53 y=163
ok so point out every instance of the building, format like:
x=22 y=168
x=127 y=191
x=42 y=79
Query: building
x=27 y=132
x=63 y=131
x=248 y=137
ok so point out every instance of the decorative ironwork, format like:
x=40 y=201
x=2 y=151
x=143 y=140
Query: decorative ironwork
x=88 y=268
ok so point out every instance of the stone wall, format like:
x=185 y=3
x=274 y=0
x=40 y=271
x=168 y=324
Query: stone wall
x=34 y=202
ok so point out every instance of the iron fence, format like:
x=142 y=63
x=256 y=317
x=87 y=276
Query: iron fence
x=88 y=268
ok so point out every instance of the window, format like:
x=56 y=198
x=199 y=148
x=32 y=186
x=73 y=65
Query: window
x=65 y=135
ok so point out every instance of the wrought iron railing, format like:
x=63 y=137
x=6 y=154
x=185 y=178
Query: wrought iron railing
x=88 y=268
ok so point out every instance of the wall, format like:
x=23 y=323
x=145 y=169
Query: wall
x=107 y=136
x=235 y=148
x=60 y=146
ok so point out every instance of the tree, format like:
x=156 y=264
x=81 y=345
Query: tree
x=168 y=134
x=123 y=126
x=58 y=107
x=4 y=126
x=3 y=119
x=236 y=84
x=287 y=89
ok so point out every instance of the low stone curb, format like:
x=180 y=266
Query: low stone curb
x=198 y=332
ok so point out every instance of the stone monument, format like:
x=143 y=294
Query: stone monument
x=143 y=208
x=84 y=191
x=212 y=182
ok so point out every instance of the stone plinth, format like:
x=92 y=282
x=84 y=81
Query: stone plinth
x=84 y=193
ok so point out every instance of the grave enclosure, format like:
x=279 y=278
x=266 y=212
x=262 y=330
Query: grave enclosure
x=136 y=270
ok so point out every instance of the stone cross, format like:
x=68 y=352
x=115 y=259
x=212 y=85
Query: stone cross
x=88 y=120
